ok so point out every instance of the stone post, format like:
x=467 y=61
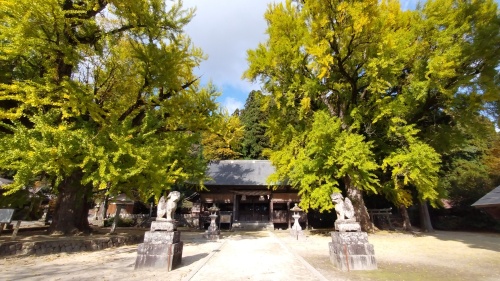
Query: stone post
x=116 y=218
x=96 y=211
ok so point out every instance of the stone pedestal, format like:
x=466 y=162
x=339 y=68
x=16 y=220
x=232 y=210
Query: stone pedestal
x=163 y=225
x=162 y=247
x=347 y=225
x=351 y=250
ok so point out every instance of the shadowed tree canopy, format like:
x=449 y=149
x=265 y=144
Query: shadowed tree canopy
x=366 y=97
x=99 y=94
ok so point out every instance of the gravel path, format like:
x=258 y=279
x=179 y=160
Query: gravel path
x=254 y=256
x=275 y=256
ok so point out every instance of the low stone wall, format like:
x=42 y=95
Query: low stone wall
x=22 y=248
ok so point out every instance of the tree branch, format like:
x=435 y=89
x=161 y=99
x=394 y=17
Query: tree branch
x=324 y=98
x=140 y=102
x=90 y=13
x=125 y=28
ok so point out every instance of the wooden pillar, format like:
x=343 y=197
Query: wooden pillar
x=271 y=209
x=288 y=214
x=235 y=207
x=200 y=215
x=307 y=221
x=16 y=229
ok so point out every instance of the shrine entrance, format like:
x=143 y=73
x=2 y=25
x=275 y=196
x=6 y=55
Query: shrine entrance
x=253 y=208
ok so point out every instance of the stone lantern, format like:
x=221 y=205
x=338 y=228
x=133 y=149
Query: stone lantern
x=212 y=233
x=120 y=201
x=296 y=230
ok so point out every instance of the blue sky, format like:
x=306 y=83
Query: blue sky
x=225 y=30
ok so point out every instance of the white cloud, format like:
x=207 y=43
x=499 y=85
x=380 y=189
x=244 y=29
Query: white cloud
x=225 y=30
x=231 y=104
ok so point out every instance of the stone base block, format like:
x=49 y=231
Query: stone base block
x=349 y=237
x=212 y=228
x=360 y=262
x=163 y=225
x=351 y=250
x=159 y=255
x=353 y=257
x=345 y=225
x=162 y=237
x=297 y=234
x=212 y=235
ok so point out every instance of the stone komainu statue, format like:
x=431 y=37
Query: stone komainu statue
x=343 y=207
x=173 y=197
x=167 y=207
x=161 y=209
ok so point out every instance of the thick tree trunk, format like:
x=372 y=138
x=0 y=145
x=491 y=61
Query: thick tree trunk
x=360 y=211
x=425 y=218
x=72 y=206
x=406 y=218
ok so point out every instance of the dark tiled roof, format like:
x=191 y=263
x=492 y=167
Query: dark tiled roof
x=239 y=172
x=4 y=181
x=491 y=198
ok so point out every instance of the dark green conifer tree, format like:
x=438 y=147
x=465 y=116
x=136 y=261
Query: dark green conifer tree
x=254 y=118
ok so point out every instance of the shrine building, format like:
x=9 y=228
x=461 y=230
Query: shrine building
x=239 y=188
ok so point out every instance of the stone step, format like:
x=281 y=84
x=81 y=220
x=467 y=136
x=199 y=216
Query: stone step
x=259 y=225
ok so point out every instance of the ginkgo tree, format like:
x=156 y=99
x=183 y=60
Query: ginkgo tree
x=399 y=88
x=222 y=140
x=100 y=94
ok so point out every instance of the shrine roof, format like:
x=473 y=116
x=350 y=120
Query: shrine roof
x=239 y=172
x=4 y=181
x=491 y=198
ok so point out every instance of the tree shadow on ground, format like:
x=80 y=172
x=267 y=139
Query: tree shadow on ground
x=187 y=260
x=479 y=240
x=487 y=241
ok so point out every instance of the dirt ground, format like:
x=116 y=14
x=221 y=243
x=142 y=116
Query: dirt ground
x=435 y=256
